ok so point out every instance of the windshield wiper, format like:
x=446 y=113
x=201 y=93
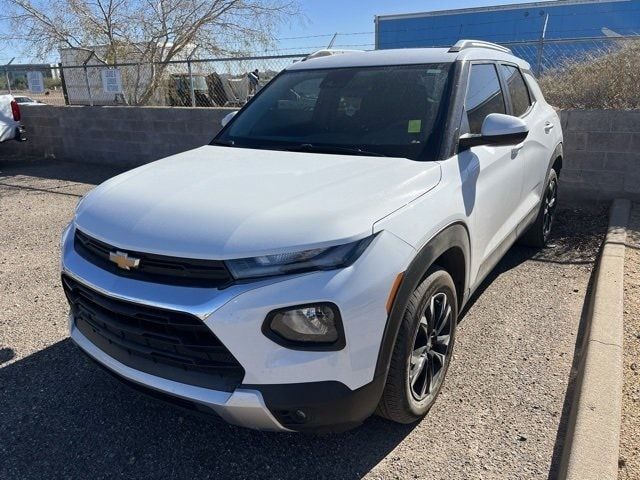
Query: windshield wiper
x=226 y=143
x=308 y=147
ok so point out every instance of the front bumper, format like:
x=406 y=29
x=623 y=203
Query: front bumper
x=242 y=407
x=282 y=389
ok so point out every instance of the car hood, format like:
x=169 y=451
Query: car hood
x=224 y=202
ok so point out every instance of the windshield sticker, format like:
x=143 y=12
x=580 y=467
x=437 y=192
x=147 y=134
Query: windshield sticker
x=414 y=126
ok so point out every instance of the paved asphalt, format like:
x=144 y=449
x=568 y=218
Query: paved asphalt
x=502 y=413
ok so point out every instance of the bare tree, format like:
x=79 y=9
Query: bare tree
x=151 y=31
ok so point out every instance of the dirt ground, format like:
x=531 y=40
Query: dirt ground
x=630 y=434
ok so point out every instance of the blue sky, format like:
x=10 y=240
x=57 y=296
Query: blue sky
x=352 y=19
x=324 y=17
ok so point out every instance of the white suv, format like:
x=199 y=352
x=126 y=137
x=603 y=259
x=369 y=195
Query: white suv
x=306 y=269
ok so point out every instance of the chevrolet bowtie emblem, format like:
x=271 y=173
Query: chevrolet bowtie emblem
x=123 y=260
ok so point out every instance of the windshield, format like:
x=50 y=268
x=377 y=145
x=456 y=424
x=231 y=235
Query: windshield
x=391 y=110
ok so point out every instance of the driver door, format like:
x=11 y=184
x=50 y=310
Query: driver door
x=493 y=194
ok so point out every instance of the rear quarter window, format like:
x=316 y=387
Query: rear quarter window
x=518 y=91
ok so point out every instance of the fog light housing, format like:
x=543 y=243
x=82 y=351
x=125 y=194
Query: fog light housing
x=316 y=326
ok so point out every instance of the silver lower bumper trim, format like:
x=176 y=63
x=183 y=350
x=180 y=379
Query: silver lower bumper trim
x=243 y=407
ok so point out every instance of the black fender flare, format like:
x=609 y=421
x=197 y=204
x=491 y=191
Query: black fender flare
x=455 y=235
x=557 y=152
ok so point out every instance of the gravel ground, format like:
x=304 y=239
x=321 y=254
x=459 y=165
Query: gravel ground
x=502 y=412
x=630 y=432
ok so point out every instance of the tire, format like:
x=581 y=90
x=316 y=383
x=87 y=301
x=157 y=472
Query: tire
x=401 y=400
x=538 y=234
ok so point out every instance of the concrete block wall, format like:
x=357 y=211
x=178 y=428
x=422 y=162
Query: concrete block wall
x=601 y=154
x=121 y=136
x=601 y=161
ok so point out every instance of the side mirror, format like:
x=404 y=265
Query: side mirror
x=497 y=129
x=227 y=118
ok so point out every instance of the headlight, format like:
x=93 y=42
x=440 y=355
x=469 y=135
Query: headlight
x=294 y=262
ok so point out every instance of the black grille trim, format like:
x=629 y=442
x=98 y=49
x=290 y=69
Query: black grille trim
x=172 y=345
x=155 y=268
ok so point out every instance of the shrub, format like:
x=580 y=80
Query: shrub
x=607 y=79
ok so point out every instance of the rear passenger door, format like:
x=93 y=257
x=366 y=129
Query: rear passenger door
x=536 y=151
x=499 y=170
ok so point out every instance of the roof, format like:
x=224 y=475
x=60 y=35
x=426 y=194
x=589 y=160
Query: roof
x=494 y=8
x=405 y=56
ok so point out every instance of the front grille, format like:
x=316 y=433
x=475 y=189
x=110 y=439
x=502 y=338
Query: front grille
x=173 y=345
x=155 y=268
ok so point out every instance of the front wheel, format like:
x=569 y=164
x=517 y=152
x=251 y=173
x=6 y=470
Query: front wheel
x=538 y=233
x=423 y=348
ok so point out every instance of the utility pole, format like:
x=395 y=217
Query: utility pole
x=541 y=46
x=333 y=39
x=192 y=91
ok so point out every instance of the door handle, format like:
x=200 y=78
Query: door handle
x=547 y=127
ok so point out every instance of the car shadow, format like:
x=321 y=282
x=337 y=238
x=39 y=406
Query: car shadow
x=514 y=257
x=578 y=350
x=6 y=354
x=62 y=416
x=574 y=239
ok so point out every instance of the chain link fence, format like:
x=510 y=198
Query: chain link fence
x=604 y=76
x=45 y=82
x=231 y=82
x=219 y=82
x=557 y=54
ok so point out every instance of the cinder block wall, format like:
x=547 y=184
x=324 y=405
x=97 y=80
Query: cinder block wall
x=601 y=161
x=601 y=154
x=122 y=136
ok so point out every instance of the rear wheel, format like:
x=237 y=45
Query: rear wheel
x=538 y=233
x=423 y=349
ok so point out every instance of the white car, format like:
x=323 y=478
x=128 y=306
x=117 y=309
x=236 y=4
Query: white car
x=28 y=101
x=10 y=126
x=306 y=269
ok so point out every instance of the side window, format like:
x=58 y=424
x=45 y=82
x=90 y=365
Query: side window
x=484 y=95
x=518 y=91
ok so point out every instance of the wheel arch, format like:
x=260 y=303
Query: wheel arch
x=555 y=162
x=450 y=249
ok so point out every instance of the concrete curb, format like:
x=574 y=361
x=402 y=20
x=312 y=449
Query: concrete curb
x=593 y=434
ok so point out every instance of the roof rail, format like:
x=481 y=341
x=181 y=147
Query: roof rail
x=328 y=52
x=464 y=44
